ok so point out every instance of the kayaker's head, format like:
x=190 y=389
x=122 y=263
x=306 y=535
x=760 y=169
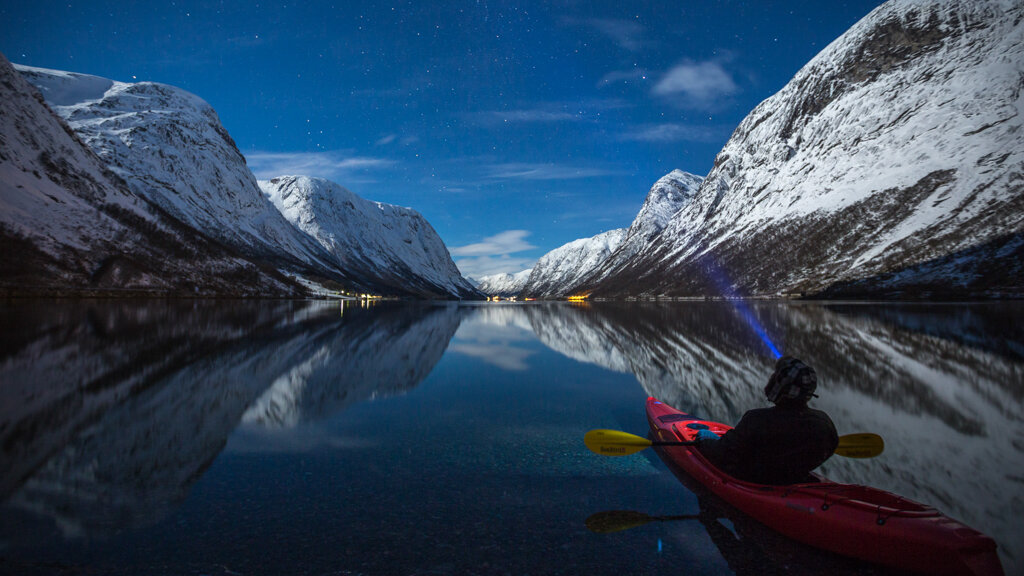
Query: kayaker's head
x=792 y=384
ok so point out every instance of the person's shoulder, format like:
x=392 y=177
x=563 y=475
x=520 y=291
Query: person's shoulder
x=818 y=413
x=758 y=414
x=822 y=417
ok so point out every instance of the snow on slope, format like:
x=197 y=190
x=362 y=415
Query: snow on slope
x=894 y=159
x=171 y=148
x=504 y=285
x=668 y=195
x=52 y=185
x=665 y=198
x=562 y=268
x=574 y=267
x=389 y=248
x=68 y=224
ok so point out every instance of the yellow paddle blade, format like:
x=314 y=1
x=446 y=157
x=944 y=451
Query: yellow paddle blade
x=863 y=445
x=616 y=521
x=614 y=442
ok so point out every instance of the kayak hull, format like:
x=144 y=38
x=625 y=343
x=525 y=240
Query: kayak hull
x=848 y=519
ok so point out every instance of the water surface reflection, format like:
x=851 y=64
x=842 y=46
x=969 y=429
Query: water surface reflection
x=942 y=383
x=134 y=422
x=111 y=410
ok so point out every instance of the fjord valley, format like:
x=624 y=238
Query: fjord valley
x=888 y=167
x=344 y=288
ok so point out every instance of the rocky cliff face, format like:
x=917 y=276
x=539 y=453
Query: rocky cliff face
x=158 y=154
x=171 y=149
x=388 y=249
x=892 y=164
x=70 y=224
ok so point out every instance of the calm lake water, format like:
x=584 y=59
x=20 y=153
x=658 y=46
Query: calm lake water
x=295 y=437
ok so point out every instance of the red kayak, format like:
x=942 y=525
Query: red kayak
x=848 y=519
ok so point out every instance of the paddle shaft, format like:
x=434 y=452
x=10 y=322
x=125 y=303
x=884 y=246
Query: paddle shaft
x=690 y=443
x=618 y=443
x=617 y=520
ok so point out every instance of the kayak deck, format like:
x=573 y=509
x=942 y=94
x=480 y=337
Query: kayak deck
x=849 y=519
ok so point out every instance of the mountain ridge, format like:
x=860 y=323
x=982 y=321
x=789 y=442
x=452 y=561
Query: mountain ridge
x=378 y=244
x=897 y=148
x=67 y=219
x=164 y=159
x=504 y=285
x=559 y=270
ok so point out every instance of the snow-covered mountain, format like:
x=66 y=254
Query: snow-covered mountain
x=576 y=266
x=68 y=224
x=171 y=148
x=665 y=198
x=167 y=156
x=892 y=164
x=559 y=270
x=504 y=285
x=387 y=248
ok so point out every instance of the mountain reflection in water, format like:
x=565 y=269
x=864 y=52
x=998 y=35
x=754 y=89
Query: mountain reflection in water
x=111 y=410
x=139 y=399
x=943 y=384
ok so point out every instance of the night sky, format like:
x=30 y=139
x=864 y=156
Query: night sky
x=513 y=127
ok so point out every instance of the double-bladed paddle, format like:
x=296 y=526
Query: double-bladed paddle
x=617 y=443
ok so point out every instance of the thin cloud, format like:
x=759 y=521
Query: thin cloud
x=665 y=133
x=531 y=171
x=627 y=34
x=696 y=84
x=494 y=254
x=507 y=242
x=405 y=140
x=479 y=266
x=335 y=166
x=496 y=117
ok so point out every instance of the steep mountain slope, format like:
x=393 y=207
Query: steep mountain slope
x=70 y=225
x=504 y=285
x=892 y=164
x=665 y=198
x=388 y=248
x=172 y=150
x=559 y=270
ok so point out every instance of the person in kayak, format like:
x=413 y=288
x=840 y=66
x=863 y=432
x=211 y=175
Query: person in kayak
x=781 y=444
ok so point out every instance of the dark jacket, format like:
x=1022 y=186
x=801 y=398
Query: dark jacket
x=777 y=445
